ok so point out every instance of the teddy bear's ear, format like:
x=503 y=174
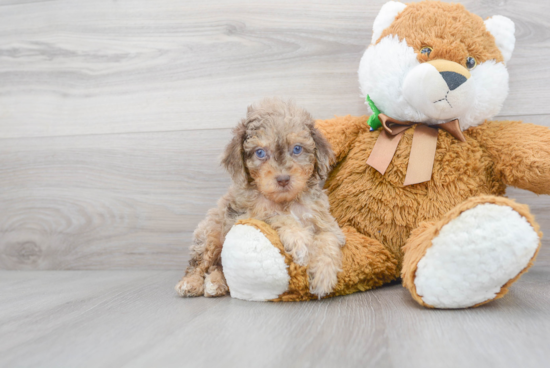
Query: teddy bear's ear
x=385 y=18
x=502 y=29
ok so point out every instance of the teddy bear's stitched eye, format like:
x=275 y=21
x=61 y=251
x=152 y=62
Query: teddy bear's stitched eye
x=426 y=51
x=470 y=63
x=297 y=150
x=260 y=153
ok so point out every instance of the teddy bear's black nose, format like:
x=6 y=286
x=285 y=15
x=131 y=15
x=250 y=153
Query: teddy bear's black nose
x=453 y=80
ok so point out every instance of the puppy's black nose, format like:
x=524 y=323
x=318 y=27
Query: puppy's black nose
x=283 y=180
x=453 y=80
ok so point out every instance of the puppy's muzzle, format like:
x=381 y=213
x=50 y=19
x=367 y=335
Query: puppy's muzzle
x=283 y=180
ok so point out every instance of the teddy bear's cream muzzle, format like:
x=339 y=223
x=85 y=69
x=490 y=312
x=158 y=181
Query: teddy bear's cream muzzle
x=440 y=89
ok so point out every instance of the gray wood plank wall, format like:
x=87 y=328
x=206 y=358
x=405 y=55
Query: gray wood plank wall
x=113 y=113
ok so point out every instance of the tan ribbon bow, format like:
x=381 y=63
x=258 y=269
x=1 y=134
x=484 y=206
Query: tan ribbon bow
x=421 y=159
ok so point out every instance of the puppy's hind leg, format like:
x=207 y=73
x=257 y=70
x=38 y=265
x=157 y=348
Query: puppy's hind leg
x=205 y=252
x=191 y=285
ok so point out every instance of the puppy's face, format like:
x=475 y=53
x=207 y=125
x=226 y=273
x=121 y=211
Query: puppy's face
x=280 y=158
x=282 y=153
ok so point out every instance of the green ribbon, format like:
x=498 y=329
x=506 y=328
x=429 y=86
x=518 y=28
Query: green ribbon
x=374 y=122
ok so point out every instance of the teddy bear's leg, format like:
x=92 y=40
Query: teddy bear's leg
x=256 y=266
x=253 y=267
x=472 y=255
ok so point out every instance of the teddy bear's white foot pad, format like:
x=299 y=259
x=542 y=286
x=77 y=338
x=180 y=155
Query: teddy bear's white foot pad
x=253 y=268
x=474 y=255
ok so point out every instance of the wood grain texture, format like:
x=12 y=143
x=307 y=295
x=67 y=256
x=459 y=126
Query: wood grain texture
x=112 y=118
x=96 y=67
x=134 y=319
x=113 y=114
x=106 y=202
x=121 y=201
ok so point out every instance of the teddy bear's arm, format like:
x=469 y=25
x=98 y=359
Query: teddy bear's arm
x=341 y=132
x=521 y=152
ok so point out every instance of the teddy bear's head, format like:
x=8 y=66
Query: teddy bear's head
x=432 y=62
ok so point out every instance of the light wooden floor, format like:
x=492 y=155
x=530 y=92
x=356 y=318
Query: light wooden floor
x=112 y=118
x=134 y=319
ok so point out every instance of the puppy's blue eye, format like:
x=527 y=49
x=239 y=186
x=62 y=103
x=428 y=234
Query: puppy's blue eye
x=260 y=153
x=297 y=150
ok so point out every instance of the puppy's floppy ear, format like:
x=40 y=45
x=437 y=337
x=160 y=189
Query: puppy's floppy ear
x=323 y=152
x=233 y=157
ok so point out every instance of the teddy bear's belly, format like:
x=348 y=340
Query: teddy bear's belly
x=382 y=208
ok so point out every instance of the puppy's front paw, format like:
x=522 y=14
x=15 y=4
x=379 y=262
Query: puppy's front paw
x=323 y=281
x=296 y=244
x=191 y=285
x=299 y=253
x=215 y=285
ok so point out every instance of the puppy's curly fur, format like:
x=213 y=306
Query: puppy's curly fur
x=277 y=159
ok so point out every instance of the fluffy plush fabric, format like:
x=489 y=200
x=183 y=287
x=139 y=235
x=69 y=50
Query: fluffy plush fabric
x=255 y=273
x=252 y=266
x=416 y=230
x=503 y=30
x=468 y=256
x=385 y=18
x=382 y=72
x=453 y=34
x=378 y=214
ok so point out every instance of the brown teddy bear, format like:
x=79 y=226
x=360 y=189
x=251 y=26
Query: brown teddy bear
x=418 y=186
